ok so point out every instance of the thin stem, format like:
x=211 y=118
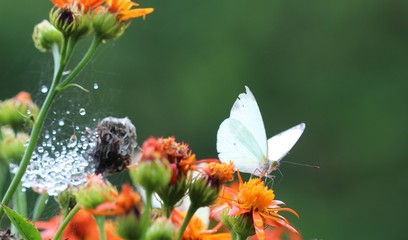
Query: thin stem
x=65 y=222
x=39 y=206
x=20 y=201
x=94 y=45
x=146 y=213
x=70 y=46
x=190 y=212
x=35 y=132
x=4 y=173
x=100 y=221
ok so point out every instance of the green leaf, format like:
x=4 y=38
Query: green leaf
x=26 y=229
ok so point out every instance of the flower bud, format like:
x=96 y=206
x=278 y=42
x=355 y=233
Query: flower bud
x=11 y=145
x=151 y=175
x=70 y=21
x=202 y=193
x=242 y=225
x=161 y=229
x=45 y=35
x=95 y=192
x=129 y=227
x=66 y=199
x=105 y=24
x=14 y=111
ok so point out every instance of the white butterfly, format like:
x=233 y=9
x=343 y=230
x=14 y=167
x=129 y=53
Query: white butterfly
x=242 y=139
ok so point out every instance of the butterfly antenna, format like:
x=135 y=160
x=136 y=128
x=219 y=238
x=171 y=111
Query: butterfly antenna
x=301 y=164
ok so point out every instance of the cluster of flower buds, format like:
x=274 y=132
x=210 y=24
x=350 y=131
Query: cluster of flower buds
x=16 y=114
x=76 y=18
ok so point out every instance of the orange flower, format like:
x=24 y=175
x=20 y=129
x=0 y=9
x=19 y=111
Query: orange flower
x=254 y=198
x=81 y=227
x=197 y=229
x=84 y=5
x=177 y=154
x=122 y=203
x=124 y=11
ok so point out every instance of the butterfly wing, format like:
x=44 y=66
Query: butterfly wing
x=241 y=138
x=280 y=144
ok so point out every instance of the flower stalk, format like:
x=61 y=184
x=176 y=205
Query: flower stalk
x=190 y=213
x=65 y=222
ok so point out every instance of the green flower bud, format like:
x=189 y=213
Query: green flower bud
x=66 y=199
x=129 y=227
x=11 y=145
x=172 y=194
x=242 y=225
x=202 y=192
x=106 y=25
x=161 y=229
x=19 y=111
x=45 y=35
x=96 y=191
x=151 y=175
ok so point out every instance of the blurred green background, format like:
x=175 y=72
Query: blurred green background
x=339 y=66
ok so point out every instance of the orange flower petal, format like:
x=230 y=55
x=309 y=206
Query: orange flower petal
x=258 y=225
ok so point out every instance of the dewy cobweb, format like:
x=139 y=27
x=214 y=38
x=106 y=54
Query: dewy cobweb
x=58 y=163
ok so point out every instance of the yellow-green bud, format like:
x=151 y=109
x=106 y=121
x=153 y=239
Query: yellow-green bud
x=12 y=145
x=202 y=193
x=66 y=199
x=19 y=111
x=95 y=192
x=106 y=25
x=70 y=21
x=242 y=225
x=151 y=175
x=161 y=229
x=129 y=227
x=171 y=194
x=45 y=35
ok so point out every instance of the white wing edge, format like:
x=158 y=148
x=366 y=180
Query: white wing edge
x=280 y=144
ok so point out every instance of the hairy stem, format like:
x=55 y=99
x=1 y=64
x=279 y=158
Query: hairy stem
x=65 y=222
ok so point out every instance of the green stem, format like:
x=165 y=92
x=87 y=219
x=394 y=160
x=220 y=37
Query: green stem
x=100 y=221
x=20 y=201
x=65 y=222
x=39 y=206
x=146 y=213
x=4 y=173
x=70 y=46
x=190 y=212
x=35 y=132
x=94 y=45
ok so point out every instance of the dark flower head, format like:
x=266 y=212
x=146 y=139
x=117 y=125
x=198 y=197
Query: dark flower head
x=115 y=144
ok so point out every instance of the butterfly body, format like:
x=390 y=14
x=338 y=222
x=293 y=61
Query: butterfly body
x=241 y=138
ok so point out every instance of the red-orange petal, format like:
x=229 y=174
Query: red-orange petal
x=258 y=225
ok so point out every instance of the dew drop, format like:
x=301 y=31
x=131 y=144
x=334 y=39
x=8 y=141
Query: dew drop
x=82 y=111
x=95 y=86
x=72 y=141
x=68 y=112
x=28 y=111
x=44 y=89
x=40 y=149
x=61 y=122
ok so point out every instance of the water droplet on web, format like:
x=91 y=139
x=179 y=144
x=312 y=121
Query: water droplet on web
x=40 y=149
x=95 y=86
x=68 y=112
x=28 y=111
x=44 y=89
x=66 y=72
x=82 y=111
x=61 y=122
x=72 y=141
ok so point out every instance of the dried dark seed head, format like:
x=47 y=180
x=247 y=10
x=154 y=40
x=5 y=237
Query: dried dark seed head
x=66 y=16
x=115 y=144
